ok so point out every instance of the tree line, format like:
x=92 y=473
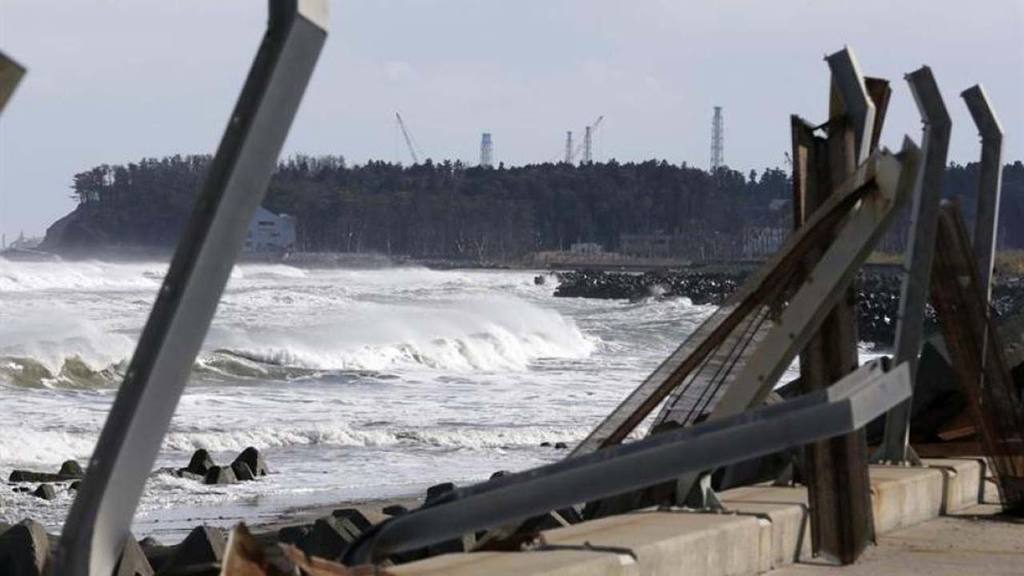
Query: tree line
x=450 y=210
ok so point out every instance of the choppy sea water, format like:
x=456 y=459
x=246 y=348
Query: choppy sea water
x=356 y=383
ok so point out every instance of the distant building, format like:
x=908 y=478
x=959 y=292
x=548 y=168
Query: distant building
x=269 y=232
x=762 y=241
x=646 y=245
x=586 y=248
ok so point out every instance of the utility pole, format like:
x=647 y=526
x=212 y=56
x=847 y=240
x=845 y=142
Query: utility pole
x=568 y=147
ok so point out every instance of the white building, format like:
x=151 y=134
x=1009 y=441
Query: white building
x=269 y=232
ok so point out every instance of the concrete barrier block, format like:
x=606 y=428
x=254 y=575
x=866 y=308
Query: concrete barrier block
x=962 y=478
x=768 y=494
x=545 y=563
x=789 y=529
x=676 y=542
x=904 y=496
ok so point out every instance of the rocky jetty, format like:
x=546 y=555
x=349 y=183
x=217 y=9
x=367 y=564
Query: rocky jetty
x=248 y=465
x=878 y=294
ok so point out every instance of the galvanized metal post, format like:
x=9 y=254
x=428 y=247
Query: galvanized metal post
x=920 y=252
x=990 y=176
x=100 y=518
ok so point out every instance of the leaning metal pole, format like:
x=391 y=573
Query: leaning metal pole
x=100 y=518
x=989 y=184
x=917 y=262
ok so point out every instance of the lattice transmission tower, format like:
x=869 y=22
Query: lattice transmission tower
x=717 y=140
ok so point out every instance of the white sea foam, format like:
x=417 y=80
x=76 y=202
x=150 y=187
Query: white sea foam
x=396 y=378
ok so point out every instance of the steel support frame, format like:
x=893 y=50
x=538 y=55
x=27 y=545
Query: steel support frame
x=824 y=285
x=990 y=176
x=978 y=357
x=100 y=518
x=847 y=406
x=702 y=342
x=919 y=255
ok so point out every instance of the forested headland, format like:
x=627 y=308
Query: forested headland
x=449 y=210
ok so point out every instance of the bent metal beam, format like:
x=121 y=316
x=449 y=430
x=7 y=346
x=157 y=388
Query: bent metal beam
x=100 y=518
x=920 y=251
x=848 y=405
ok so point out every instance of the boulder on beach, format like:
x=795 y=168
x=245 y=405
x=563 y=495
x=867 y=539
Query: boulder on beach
x=327 y=539
x=24 y=549
x=200 y=463
x=394 y=510
x=133 y=561
x=254 y=459
x=203 y=547
x=293 y=534
x=30 y=476
x=242 y=471
x=71 y=469
x=438 y=490
x=353 y=520
x=45 y=491
x=220 y=475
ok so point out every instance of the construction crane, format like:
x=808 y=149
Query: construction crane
x=585 y=146
x=408 y=139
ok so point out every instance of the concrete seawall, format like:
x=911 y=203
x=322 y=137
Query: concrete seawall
x=764 y=528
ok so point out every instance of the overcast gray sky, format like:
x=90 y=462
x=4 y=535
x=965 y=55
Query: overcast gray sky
x=112 y=81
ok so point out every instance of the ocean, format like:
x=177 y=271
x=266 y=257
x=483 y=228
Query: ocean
x=356 y=384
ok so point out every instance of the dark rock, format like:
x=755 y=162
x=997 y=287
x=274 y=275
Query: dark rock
x=30 y=476
x=22 y=489
x=184 y=473
x=561 y=446
x=353 y=520
x=149 y=542
x=545 y=444
x=438 y=490
x=242 y=471
x=539 y=280
x=133 y=561
x=499 y=474
x=220 y=475
x=74 y=485
x=200 y=463
x=293 y=534
x=394 y=510
x=254 y=459
x=24 y=549
x=71 y=469
x=45 y=491
x=327 y=539
x=203 y=547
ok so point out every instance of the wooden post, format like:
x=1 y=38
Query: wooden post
x=836 y=470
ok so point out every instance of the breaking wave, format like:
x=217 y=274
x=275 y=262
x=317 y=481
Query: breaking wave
x=476 y=335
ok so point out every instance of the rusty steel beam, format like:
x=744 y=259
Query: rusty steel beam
x=978 y=357
x=99 y=521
